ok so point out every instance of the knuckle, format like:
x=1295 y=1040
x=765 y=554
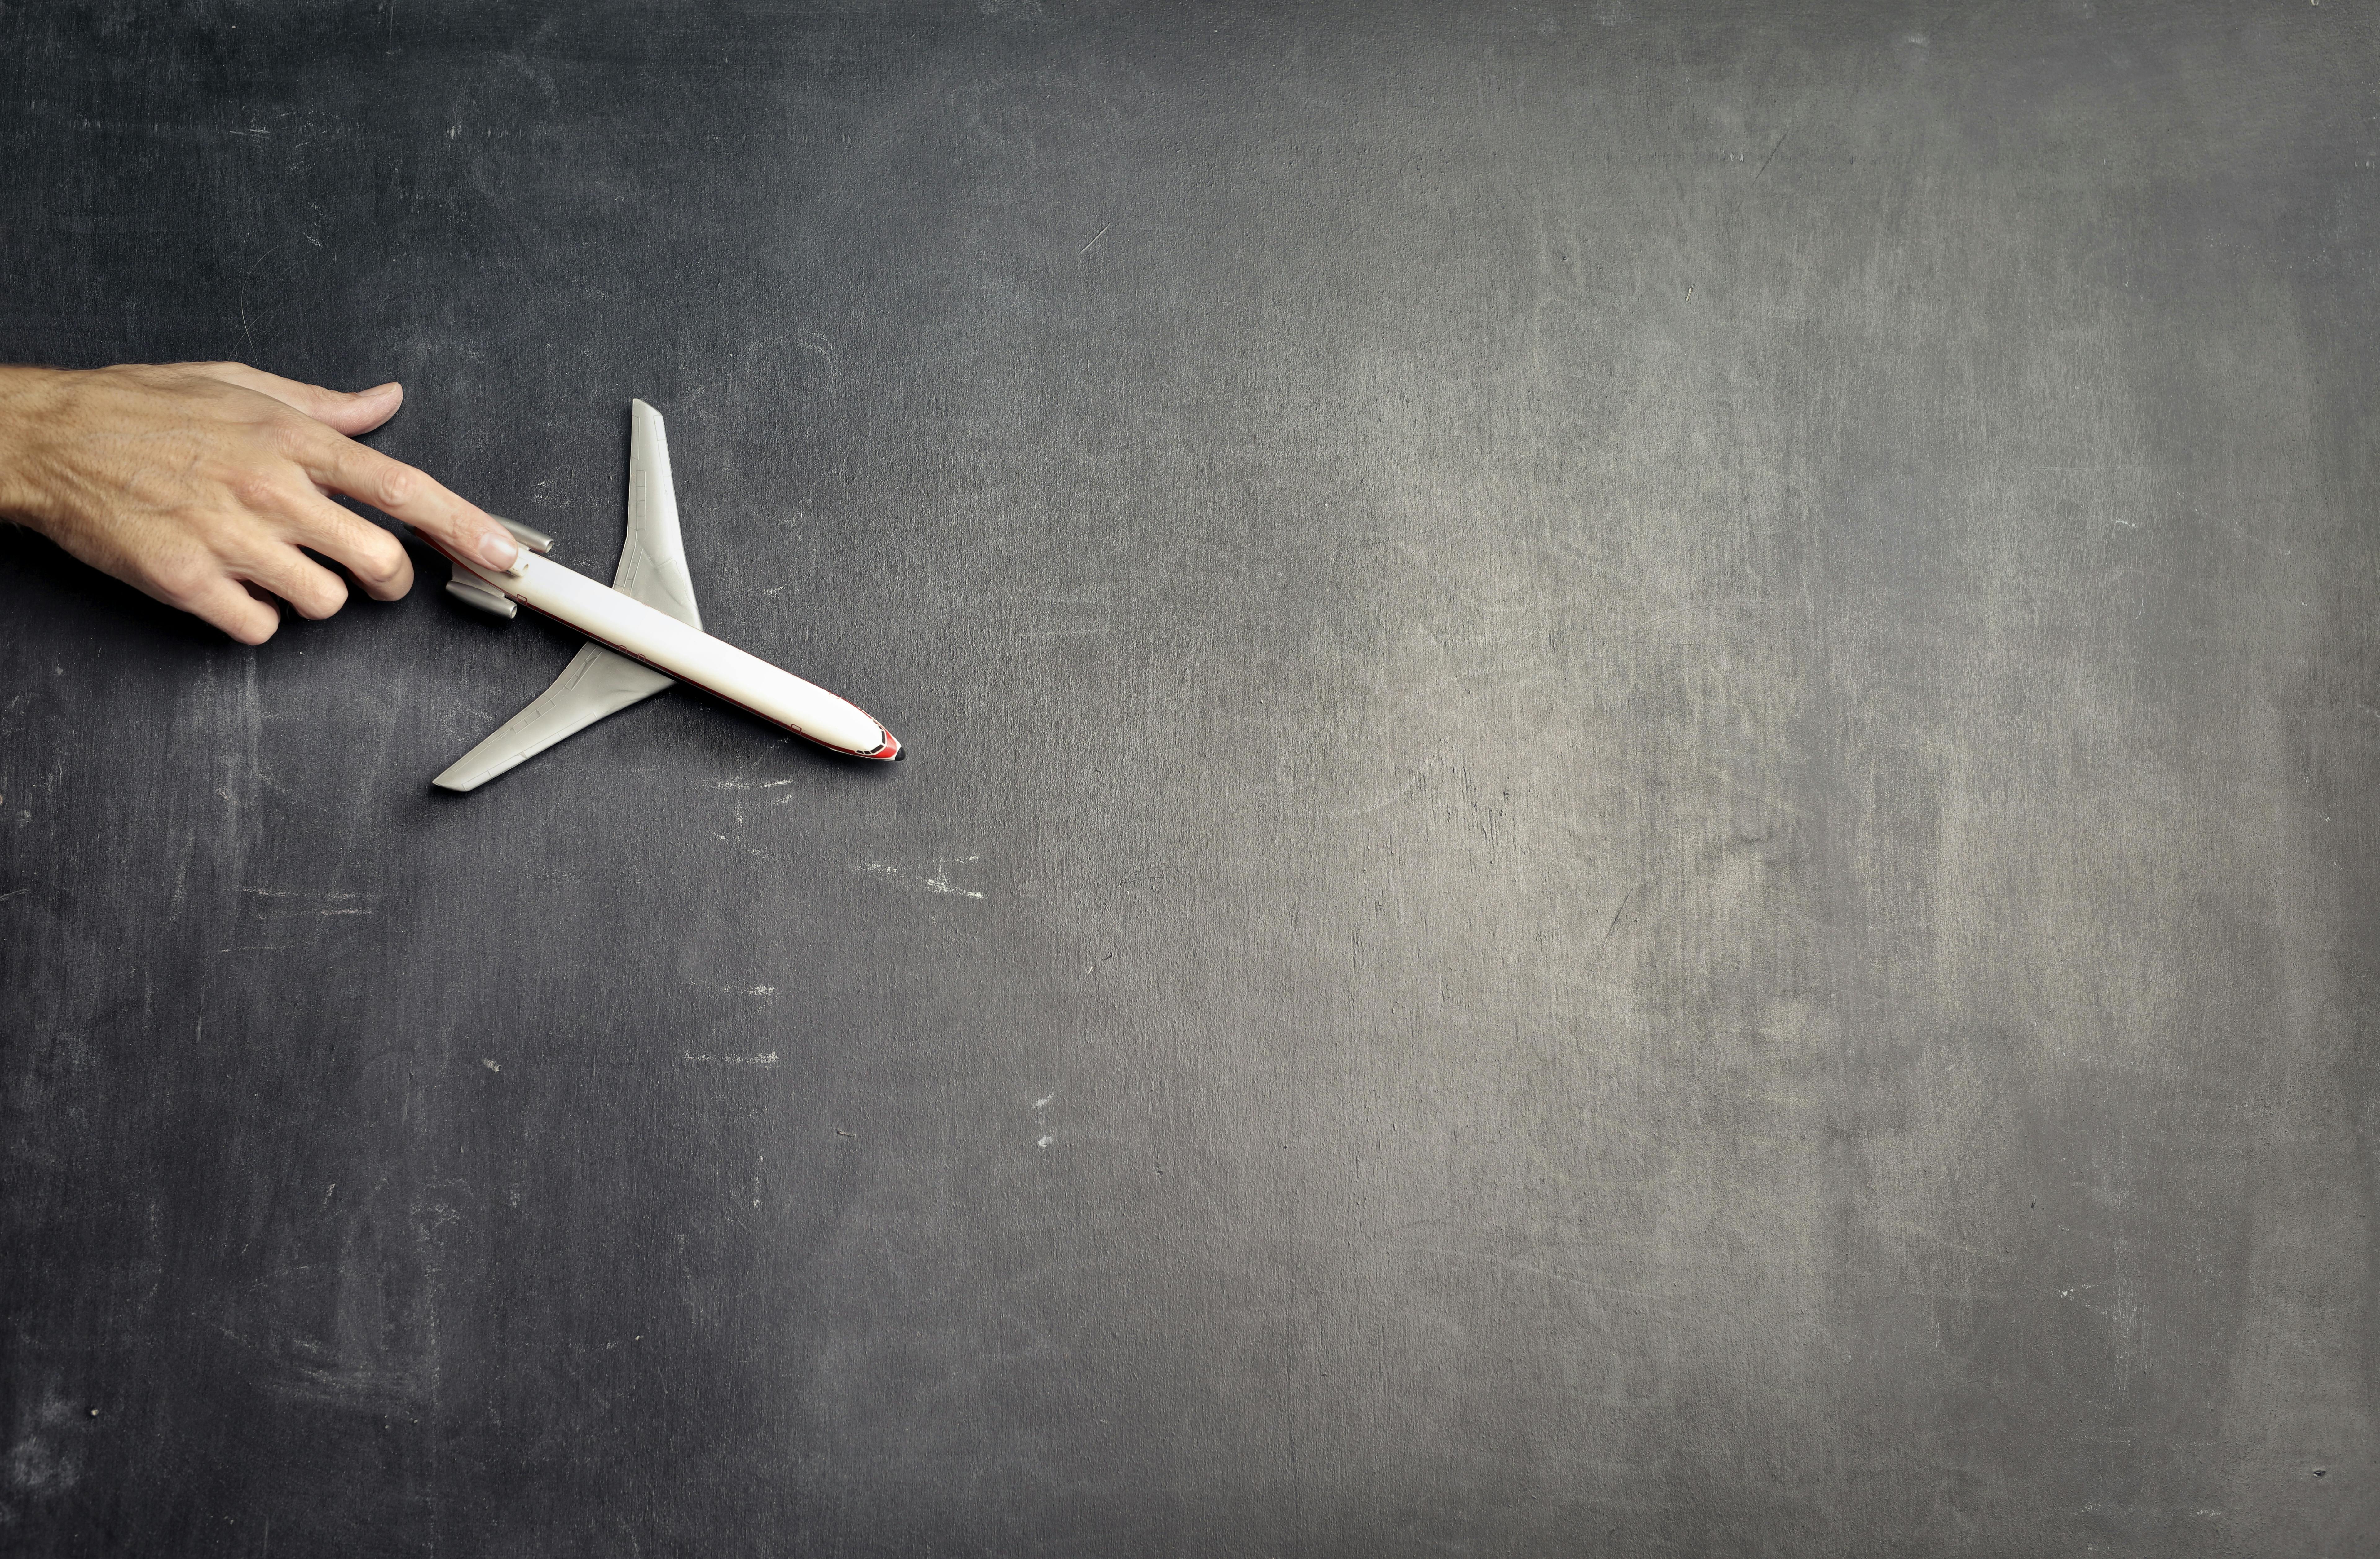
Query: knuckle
x=146 y=378
x=398 y=484
x=221 y=529
x=191 y=379
x=289 y=433
x=253 y=489
x=179 y=581
x=323 y=597
x=383 y=561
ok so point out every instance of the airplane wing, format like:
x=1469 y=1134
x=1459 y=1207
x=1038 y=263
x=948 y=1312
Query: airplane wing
x=598 y=682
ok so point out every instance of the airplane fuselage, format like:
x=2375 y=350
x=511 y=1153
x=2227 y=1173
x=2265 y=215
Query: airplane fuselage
x=645 y=633
x=630 y=627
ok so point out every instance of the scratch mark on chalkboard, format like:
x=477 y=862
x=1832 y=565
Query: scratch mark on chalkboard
x=255 y=265
x=1772 y=152
x=1095 y=238
x=1721 y=605
x=817 y=344
x=766 y=1058
x=348 y=1385
x=1482 y=1259
x=1935 y=1237
x=304 y=911
x=940 y=883
x=1367 y=808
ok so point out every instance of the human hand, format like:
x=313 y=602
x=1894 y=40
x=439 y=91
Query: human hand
x=200 y=482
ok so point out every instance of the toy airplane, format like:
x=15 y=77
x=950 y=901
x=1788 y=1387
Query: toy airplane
x=646 y=635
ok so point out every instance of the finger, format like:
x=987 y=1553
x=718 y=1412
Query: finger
x=400 y=492
x=360 y=411
x=349 y=412
x=221 y=601
x=309 y=587
x=376 y=558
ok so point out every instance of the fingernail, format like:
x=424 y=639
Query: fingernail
x=383 y=389
x=499 y=550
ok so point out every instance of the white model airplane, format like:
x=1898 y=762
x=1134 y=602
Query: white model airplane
x=646 y=635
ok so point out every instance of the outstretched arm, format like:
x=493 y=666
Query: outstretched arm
x=200 y=482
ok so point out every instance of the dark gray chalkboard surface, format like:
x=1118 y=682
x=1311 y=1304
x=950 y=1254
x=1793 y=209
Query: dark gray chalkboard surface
x=1642 y=813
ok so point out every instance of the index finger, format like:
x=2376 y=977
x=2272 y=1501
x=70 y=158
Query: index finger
x=401 y=493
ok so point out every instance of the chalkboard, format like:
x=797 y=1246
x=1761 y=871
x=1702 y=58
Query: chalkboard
x=1640 y=815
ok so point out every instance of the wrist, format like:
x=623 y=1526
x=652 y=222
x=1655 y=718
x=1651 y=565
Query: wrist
x=29 y=398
